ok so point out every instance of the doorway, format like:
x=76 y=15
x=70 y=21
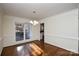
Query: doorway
x=42 y=32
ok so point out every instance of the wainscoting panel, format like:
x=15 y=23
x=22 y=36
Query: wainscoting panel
x=66 y=43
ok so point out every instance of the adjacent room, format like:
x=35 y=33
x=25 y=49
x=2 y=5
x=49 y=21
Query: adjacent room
x=39 y=29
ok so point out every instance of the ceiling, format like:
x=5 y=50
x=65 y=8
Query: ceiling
x=42 y=10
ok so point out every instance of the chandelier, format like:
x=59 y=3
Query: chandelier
x=34 y=22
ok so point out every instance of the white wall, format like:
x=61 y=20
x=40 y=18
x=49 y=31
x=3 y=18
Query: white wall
x=9 y=30
x=1 y=45
x=0 y=35
x=78 y=28
x=62 y=30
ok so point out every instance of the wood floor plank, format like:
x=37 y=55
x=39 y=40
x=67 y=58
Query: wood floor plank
x=36 y=48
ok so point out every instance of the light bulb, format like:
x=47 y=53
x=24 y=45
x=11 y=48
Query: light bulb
x=31 y=22
x=35 y=22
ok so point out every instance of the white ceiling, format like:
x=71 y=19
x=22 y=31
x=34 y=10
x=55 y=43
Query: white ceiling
x=43 y=10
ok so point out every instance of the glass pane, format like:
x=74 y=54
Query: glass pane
x=19 y=32
x=27 y=31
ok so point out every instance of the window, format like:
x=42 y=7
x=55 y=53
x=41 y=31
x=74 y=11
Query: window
x=22 y=31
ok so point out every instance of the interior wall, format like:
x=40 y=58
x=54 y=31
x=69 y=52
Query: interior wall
x=78 y=28
x=9 y=30
x=0 y=35
x=62 y=30
x=1 y=44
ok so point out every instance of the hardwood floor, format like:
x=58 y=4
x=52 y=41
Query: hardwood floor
x=35 y=48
